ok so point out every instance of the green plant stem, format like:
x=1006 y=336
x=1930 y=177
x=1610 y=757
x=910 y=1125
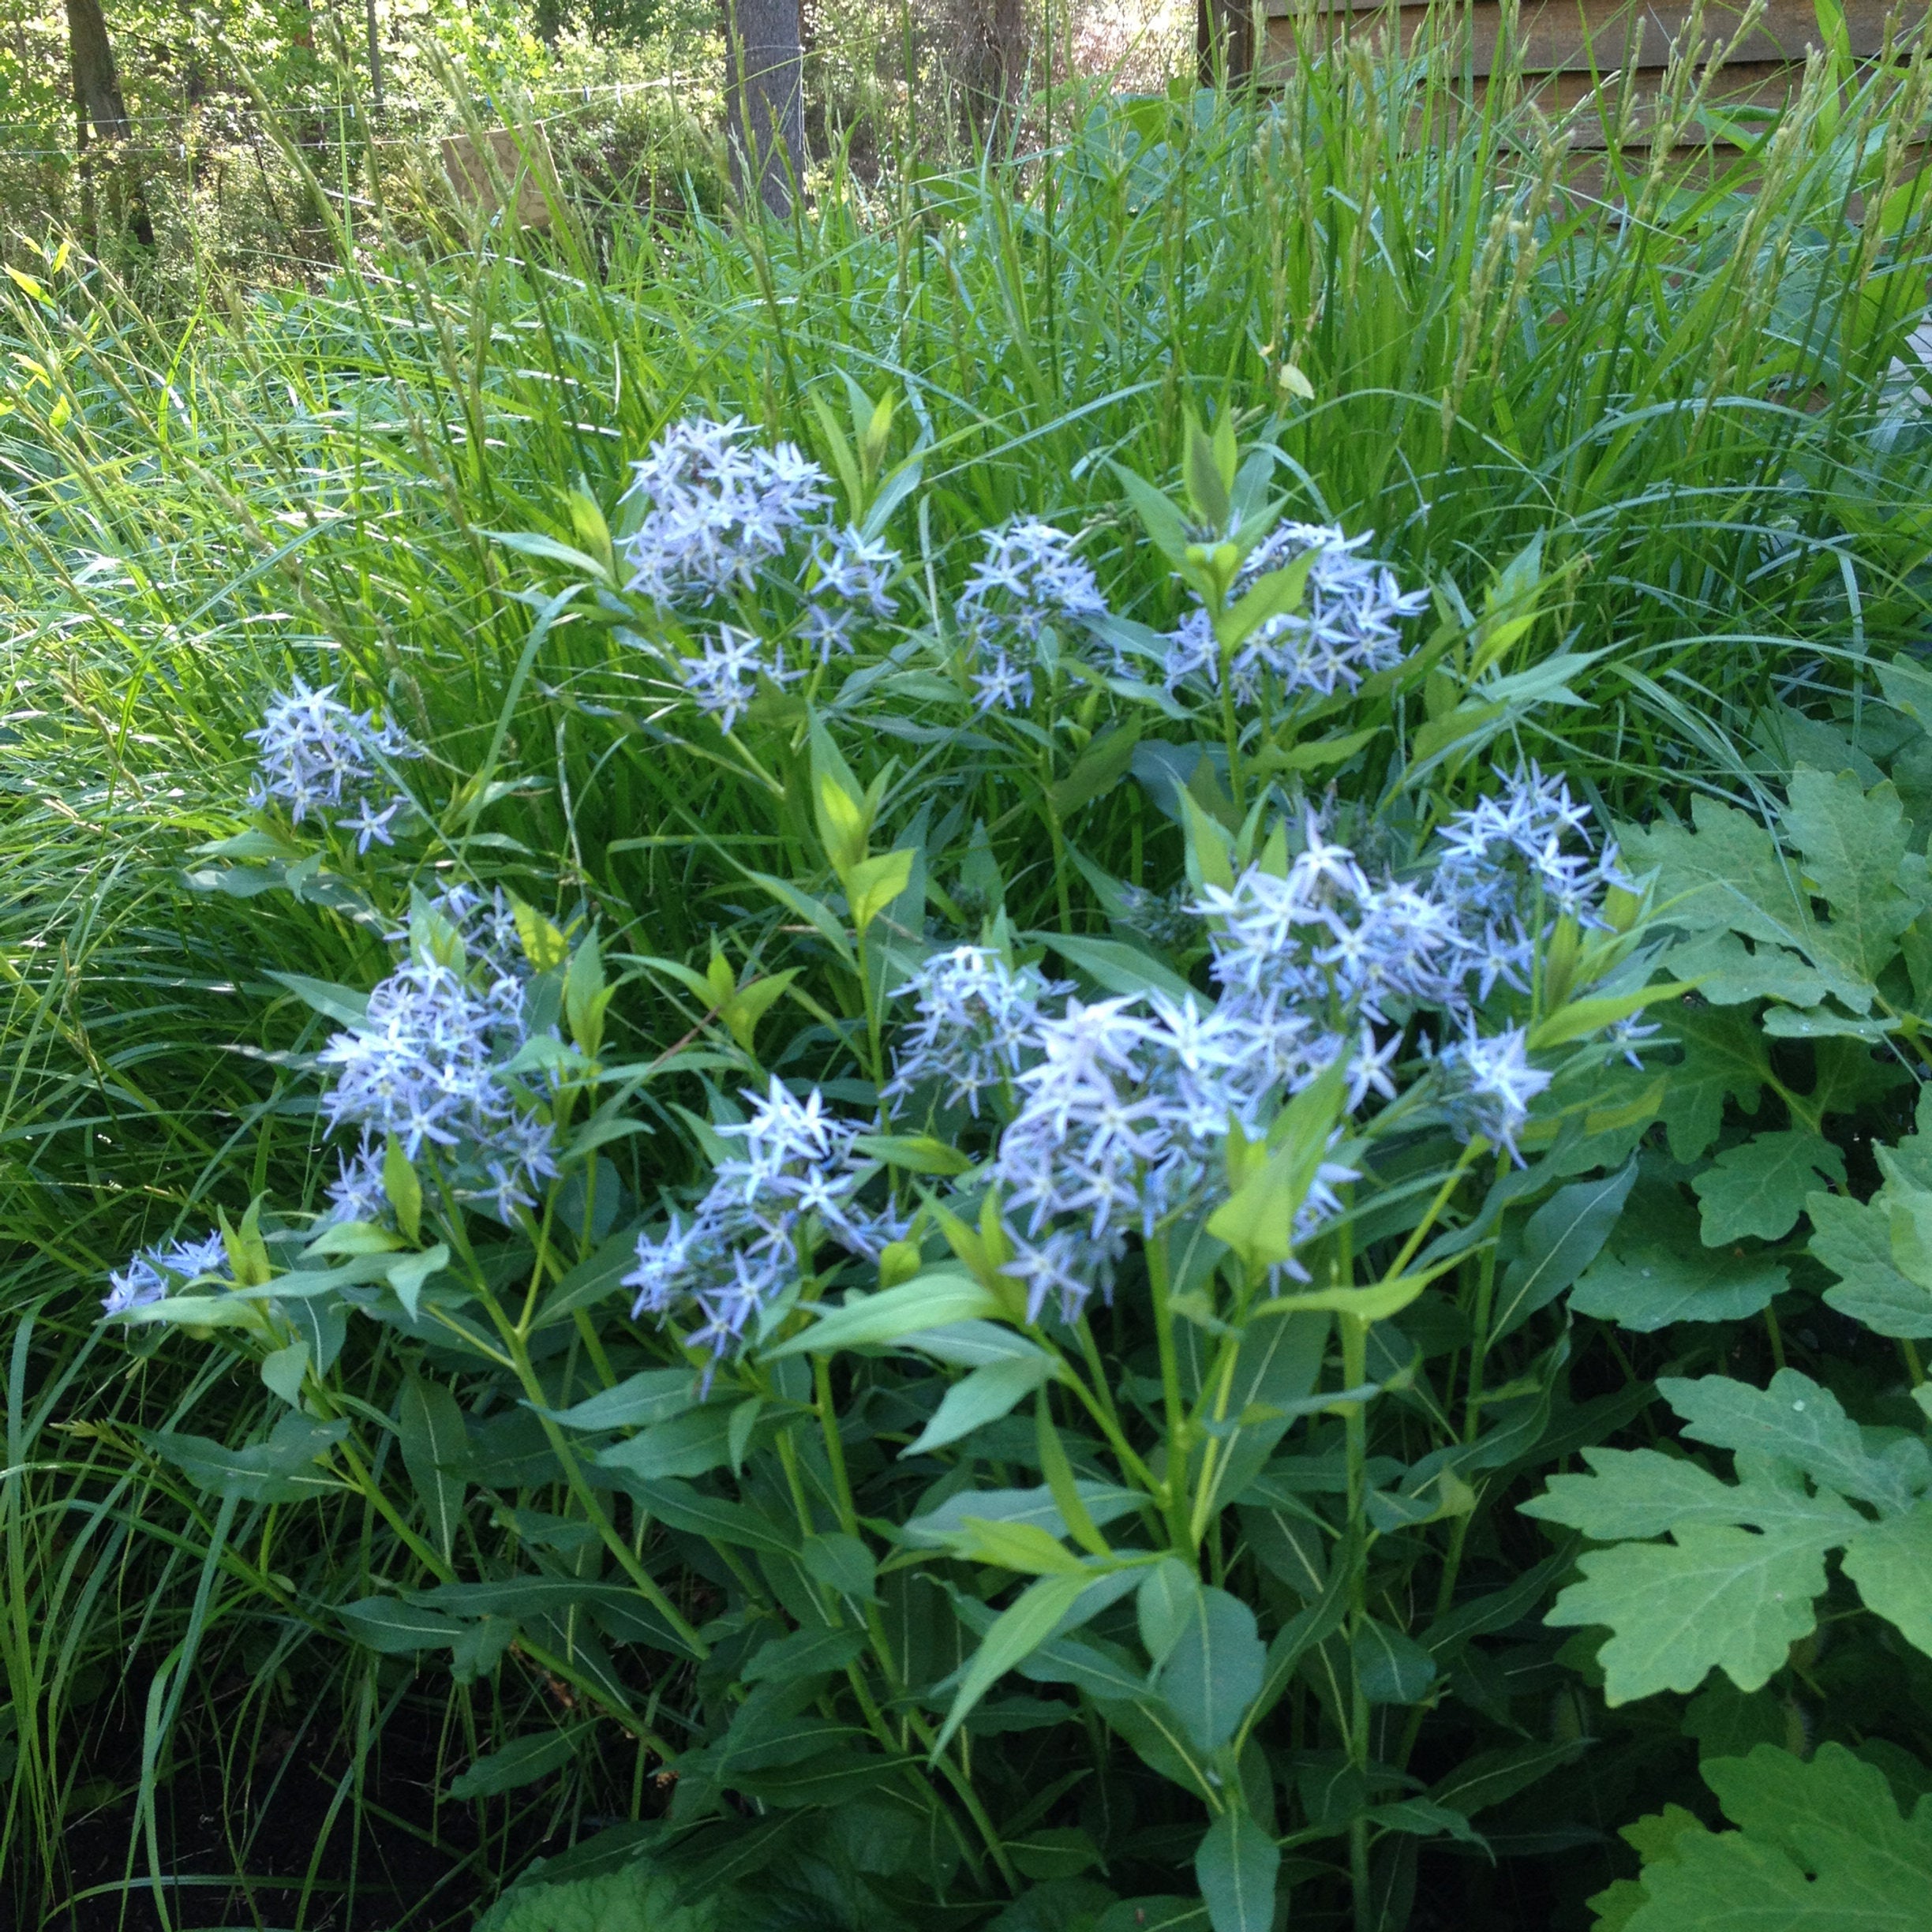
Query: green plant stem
x=1354 y=1372
x=1174 y=1484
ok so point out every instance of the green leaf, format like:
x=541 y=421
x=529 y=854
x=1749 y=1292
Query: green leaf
x=1019 y=1630
x=1650 y=1283
x=1643 y=1492
x=1215 y=1670
x=652 y=1395
x=1098 y=769
x=928 y=1301
x=286 y=1468
x=841 y=1562
x=1158 y=1913
x=916 y=1153
x=1257 y=1219
x=682 y=1507
x=407 y=1274
x=874 y=884
x=1728 y=973
x=1794 y=1420
x=1560 y=1240
x=1022 y=1546
x=1117 y=967
x=1891 y=1562
x=1819 y=1847
x=1167 y=1601
x=284 y=1371
x=803 y=1653
x=1854 y=1240
x=404 y=1190
x=1854 y=845
x=1729 y=874
x=633 y=1900
x=1493 y=1777
x=938 y=1528
x=548 y=550
x=333 y=1002
x=433 y=1440
x=1724 y=1059
x=1715 y=1597
x=692 y=1443
x=1390 y=1666
x=522 y=1762
x=395 y=1628
x=599 y=1275
x=1236 y=1868
x=1759 y=1188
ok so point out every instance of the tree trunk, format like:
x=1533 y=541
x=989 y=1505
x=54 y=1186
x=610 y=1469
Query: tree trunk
x=1224 y=32
x=375 y=55
x=1009 y=55
x=765 y=100
x=98 y=103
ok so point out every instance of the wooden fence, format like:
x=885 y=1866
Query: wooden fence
x=1578 y=49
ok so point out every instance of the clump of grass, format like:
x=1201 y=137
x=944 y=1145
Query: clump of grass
x=1688 y=391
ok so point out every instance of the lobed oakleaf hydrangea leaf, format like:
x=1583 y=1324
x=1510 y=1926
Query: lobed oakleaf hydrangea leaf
x=1819 y=1846
x=1759 y=1188
x=1733 y=1589
x=1656 y=1270
x=1725 y=1058
x=1873 y=1246
x=1854 y=845
x=1891 y=1562
x=634 y=1899
x=1714 y=1598
x=1727 y=873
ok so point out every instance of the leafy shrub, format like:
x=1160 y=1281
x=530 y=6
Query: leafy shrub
x=1200 y=1237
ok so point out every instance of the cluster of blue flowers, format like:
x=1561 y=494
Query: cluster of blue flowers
x=721 y=513
x=795 y=1183
x=317 y=757
x=1114 y=1113
x=157 y=1272
x=1028 y=582
x=427 y=1066
x=1350 y=625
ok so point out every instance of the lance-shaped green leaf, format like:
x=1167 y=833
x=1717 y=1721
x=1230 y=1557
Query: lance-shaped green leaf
x=429 y=1428
x=1560 y=1240
x=1257 y=1220
x=939 y=1296
x=1019 y=1630
x=983 y=1397
x=1236 y=1868
x=1214 y=1669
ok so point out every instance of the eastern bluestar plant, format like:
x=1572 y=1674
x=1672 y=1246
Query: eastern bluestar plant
x=1171 y=1207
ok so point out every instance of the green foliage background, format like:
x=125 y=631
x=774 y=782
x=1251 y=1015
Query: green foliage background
x=1697 y=409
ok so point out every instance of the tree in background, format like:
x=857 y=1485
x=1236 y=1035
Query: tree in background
x=765 y=100
x=101 y=109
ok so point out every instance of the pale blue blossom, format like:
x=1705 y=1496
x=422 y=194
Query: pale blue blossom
x=1028 y=579
x=852 y=585
x=315 y=757
x=979 y=1019
x=1487 y=1085
x=794 y=1182
x=426 y=1065
x=156 y=1272
x=720 y=510
x=723 y=677
x=1349 y=627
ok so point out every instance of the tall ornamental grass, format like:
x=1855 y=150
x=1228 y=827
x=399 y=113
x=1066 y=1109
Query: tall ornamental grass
x=1653 y=451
